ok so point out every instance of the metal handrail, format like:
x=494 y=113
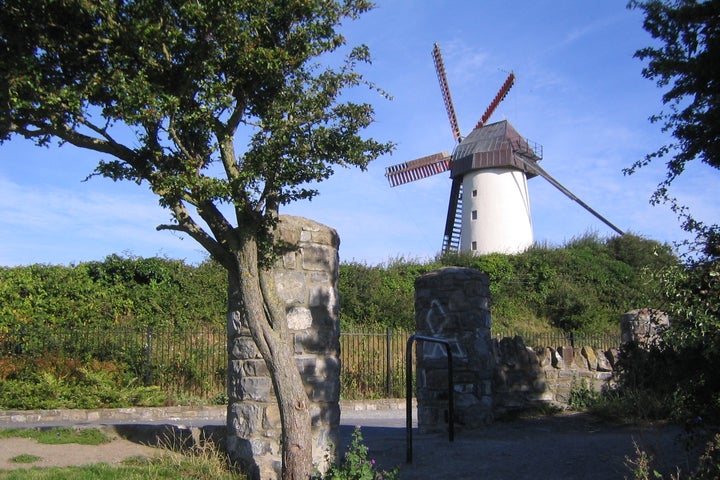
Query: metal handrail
x=408 y=391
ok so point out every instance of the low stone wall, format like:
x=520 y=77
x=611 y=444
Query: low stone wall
x=525 y=377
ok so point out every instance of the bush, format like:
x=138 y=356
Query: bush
x=56 y=382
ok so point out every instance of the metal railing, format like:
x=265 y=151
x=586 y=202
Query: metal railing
x=189 y=362
x=373 y=363
x=409 y=391
x=194 y=361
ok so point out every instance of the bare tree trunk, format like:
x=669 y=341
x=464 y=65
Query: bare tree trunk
x=265 y=318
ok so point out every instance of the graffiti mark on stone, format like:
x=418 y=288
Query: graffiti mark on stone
x=437 y=320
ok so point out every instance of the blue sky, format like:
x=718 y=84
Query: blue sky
x=579 y=92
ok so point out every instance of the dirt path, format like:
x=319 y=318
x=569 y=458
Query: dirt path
x=65 y=455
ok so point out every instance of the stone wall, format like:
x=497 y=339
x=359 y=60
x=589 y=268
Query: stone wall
x=307 y=282
x=525 y=377
x=454 y=304
x=494 y=376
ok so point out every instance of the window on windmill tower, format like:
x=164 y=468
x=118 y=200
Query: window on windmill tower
x=474 y=214
x=474 y=246
x=474 y=194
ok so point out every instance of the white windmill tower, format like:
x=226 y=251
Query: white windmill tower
x=489 y=207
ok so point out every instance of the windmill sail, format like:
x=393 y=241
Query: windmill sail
x=416 y=169
x=445 y=90
x=502 y=93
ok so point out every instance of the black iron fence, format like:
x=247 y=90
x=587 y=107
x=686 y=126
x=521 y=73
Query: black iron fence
x=373 y=363
x=193 y=362
x=181 y=362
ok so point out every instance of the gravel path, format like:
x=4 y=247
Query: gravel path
x=568 y=446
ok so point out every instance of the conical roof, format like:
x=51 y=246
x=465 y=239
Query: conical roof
x=495 y=145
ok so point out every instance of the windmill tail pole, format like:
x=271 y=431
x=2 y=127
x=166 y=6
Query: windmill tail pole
x=539 y=170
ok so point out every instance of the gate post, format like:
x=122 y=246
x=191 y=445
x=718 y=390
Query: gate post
x=453 y=304
x=306 y=280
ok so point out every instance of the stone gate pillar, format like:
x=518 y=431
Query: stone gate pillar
x=307 y=282
x=454 y=304
x=643 y=326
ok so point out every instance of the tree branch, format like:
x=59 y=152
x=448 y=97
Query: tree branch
x=108 y=146
x=176 y=139
x=187 y=225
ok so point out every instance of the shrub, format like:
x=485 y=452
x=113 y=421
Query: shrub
x=356 y=465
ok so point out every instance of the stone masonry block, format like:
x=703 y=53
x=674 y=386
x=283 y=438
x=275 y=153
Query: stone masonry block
x=299 y=318
x=236 y=367
x=306 y=364
x=326 y=414
x=322 y=295
x=568 y=356
x=255 y=368
x=326 y=237
x=579 y=361
x=291 y=287
x=271 y=418
x=244 y=347
x=246 y=418
x=258 y=389
x=318 y=257
x=325 y=391
x=603 y=364
x=590 y=356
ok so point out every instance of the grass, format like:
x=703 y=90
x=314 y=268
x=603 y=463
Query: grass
x=170 y=466
x=157 y=470
x=58 y=436
x=25 y=458
x=200 y=463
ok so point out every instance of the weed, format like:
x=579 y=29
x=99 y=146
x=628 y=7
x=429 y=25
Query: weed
x=25 y=458
x=582 y=396
x=356 y=465
x=642 y=465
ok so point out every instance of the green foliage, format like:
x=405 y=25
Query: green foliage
x=356 y=465
x=709 y=463
x=169 y=466
x=117 y=291
x=582 y=286
x=379 y=296
x=581 y=396
x=642 y=465
x=681 y=370
x=55 y=382
x=162 y=91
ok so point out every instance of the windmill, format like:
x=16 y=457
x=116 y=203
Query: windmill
x=489 y=206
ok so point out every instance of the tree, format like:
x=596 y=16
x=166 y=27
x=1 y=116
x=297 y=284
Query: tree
x=165 y=90
x=684 y=61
